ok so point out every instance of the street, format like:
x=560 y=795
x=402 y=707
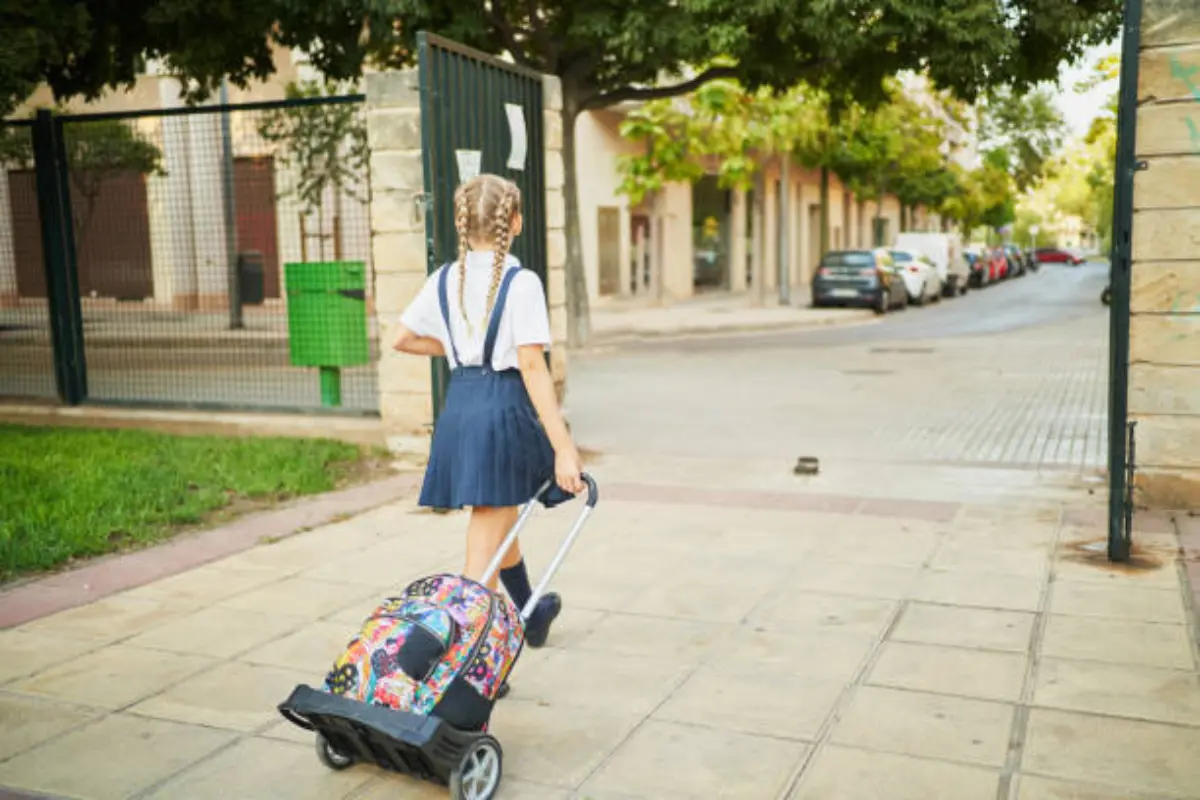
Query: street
x=926 y=618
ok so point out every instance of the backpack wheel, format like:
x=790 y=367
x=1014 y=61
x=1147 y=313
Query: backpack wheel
x=477 y=777
x=330 y=757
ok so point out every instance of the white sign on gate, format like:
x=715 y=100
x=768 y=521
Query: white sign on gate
x=516 y=126
x=469 y=162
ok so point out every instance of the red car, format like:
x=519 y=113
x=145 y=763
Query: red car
x=997 y=265
x=1056 y=255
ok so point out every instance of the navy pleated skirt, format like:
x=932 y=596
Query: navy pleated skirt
x=489 y=448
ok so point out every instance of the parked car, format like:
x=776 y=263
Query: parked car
x=1016 y=260
x=1056 y=255
x=945 y=251
x=858 y=278
x=920 y=275
x=977 y=271
x=997 y=264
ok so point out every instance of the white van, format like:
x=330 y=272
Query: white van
x=946 y=252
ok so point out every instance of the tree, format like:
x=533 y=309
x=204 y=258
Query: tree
x=96 y=152
x=1027 y=126
x=326 y=145
x=604 y=53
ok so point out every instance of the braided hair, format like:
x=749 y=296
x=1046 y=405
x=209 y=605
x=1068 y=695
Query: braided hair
x=484 y=210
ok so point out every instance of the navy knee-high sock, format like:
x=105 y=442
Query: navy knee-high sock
x=516 y=583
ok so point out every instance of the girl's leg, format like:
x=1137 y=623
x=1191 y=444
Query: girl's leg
x=485 y=534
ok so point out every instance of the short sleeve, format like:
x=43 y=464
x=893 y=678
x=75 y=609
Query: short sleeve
x=528 y=318
x=424 y=314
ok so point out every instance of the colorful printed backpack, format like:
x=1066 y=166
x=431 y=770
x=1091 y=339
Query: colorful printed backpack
x=443 y=648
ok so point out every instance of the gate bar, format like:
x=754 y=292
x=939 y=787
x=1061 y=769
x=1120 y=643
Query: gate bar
x=1119 y=491
x=58 y=254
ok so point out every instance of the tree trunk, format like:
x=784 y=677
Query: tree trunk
x=758 y=262
x=579 y=321
x=824 y=233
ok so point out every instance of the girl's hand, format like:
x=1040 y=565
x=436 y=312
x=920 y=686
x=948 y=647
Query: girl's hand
x=567 y=471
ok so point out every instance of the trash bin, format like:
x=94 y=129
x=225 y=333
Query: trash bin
x=250 y=278
x=327 y=320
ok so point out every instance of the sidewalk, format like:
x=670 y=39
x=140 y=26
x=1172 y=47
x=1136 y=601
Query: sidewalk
x=621 y=320
x=806 y=639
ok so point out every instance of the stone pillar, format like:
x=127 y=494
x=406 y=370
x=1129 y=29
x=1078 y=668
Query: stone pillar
x=738 y=251
x=8 y=252
x=556 y=231
x=206 y=164
x=398 y=250
x=1164 y=376
x=169 y=198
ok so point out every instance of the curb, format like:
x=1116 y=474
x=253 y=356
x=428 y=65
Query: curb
x=40 y=597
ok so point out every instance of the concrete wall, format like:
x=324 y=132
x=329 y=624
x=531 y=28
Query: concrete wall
x=1164 y=381
x=398 y=246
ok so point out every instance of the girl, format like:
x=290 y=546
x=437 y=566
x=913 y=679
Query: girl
x=488 y=316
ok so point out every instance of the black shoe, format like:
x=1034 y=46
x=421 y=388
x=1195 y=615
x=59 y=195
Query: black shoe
x=538 y=629
x=502 y=692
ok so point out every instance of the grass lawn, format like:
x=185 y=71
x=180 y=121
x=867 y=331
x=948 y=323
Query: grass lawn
x=69 y=493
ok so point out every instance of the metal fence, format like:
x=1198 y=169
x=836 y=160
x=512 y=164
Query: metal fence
x=150 y=258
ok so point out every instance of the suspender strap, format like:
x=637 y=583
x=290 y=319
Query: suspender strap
x=445 y=304
x=489 y=343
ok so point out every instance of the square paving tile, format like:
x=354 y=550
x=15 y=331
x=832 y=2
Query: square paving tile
x=262 y=768
x=965 y=627
x=1031 y=562
x=1123 y=690
x=980 y=589
x=781 y=704
x=23 y=653
x=113 y=677
x=218 y=632
x=985 y=674
x=575 y=626
x=1130 y=754
x=556 y=745
x=896 y=548
x=1034 y=787
x=789 y=608
x=844 y=773
x=201 y=586
x=311 y=649
x=862 y=580
x=1117 y=641
x=114 y=758
x=666 y=760
x=703 y=597
x=928 y=725
x=1118 y=600
x=295 y=597
x=236 y=696
x=1068 y=569
x=107 y=620
x=26 y=721
x=389 y=565
x=638 y=635
x=574 y=678
x=823 y=653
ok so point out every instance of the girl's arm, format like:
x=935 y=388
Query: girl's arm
x=411 y=343
x=531 y=360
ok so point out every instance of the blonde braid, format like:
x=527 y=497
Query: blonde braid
x=462 y=225
x=501 y=235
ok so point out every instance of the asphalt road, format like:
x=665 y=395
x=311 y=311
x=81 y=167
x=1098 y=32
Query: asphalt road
x=1054 y=294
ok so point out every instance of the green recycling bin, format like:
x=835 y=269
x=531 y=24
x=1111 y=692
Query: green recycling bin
x=327 y=320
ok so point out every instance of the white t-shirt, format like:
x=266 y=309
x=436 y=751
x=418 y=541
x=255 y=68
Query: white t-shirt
x=524 y=321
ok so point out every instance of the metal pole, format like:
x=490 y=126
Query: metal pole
x=1118 y=342
x=785 y=216
x=235 y=290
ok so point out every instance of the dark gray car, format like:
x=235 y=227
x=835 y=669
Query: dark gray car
x=858 y=278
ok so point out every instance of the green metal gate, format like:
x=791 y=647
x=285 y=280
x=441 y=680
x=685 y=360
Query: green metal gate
x=475 y=106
